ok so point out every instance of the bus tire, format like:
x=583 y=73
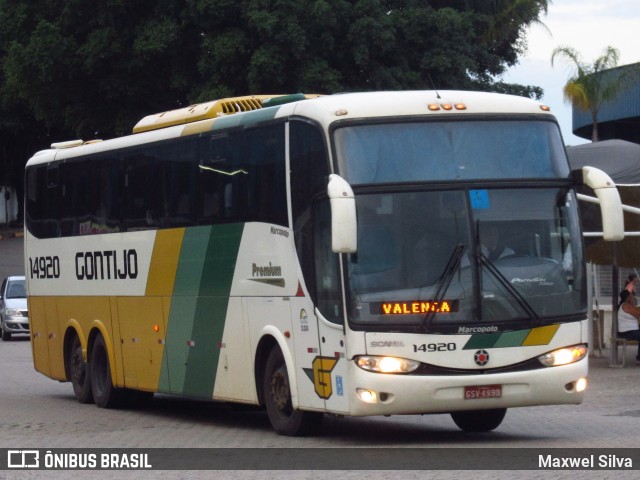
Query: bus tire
x=79 y=372
x=284 y=419
x=104 y=393
x=479 y=420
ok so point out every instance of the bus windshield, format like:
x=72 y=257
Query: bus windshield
x=466 y=257
x=461 y=255
x=436 y=151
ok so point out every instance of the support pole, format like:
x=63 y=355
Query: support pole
x=615 y=286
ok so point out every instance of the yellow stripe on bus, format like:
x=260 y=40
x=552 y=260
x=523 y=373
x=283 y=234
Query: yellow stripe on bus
x=541 y=335
x=164 y=262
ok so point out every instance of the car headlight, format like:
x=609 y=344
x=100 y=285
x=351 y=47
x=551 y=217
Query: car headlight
x=386 y=364
x=564 y=356
x=13 y=312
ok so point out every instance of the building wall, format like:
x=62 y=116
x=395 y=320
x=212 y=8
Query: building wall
x=617 y=119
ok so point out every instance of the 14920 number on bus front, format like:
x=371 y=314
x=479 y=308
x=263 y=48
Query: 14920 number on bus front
x=435 y=347
x=44 y=267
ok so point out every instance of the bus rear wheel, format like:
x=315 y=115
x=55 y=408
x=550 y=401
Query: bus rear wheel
x=79 y=373
x=104 y=393
x=284 y=419
x=479 y=420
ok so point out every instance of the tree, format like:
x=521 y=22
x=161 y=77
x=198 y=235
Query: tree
x=95 y=68
x=92 y=67
x=77 y=69
x=588 y=87
x=346 y=45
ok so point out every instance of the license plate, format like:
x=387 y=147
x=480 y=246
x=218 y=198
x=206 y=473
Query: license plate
x=482 y=391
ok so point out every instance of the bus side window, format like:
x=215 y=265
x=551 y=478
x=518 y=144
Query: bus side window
x=309 y=169
x=328 y=289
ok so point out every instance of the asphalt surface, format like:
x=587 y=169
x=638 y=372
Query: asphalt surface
x=38 y=412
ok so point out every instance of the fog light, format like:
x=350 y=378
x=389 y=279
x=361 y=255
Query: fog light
x=581 y=385
x=367 y=396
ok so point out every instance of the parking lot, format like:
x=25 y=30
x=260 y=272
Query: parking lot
x=38 y=412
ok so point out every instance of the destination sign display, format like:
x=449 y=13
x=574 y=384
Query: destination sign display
x=414 y=307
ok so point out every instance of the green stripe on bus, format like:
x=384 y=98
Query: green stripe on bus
x=198 y=309
x=510 y=339
x=247 y=118
x=542 y=336
x=482 y=341
x=191 y=264
x=183 y=308
x=211 y=310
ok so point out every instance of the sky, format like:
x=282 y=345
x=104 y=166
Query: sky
x=588 y=26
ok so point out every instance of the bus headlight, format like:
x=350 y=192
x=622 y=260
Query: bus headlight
x=563 y=356
x=386 y=364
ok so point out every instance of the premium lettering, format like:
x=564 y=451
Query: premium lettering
x=266 y=271
x=107 y=265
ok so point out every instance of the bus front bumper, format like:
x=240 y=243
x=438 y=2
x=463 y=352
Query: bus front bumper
x=387 y=394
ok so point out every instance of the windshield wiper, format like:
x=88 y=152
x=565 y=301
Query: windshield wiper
x=445 y=281
x=486 y=262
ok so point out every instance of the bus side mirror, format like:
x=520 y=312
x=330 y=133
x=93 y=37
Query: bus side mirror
x=344 y=227
x=610 y=203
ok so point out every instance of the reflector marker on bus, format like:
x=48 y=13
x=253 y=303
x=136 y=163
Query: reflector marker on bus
x=191 y=343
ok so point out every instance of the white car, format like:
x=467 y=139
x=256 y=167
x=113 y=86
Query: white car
x=14 y=317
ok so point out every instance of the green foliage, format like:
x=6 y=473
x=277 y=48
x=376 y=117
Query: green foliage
x=74 y=68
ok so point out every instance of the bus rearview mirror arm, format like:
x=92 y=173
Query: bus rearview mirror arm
x=609 y=199
x=344 y=227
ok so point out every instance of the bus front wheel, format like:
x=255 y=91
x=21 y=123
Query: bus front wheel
x=479 y=420
x=79 y=373
x=284 y=419
x=104 y=393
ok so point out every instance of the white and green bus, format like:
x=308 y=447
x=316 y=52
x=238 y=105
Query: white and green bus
x=359 y=254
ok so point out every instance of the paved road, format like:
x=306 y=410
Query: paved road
x=11 y=255
x=36 y=412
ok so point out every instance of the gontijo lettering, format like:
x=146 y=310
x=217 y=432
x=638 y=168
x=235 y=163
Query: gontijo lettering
x=107 y=265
